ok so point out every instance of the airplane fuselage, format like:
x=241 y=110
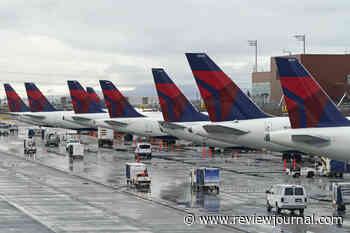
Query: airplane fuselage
x=333 y=141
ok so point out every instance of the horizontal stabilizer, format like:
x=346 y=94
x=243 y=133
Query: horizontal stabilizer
x=78 y=118
x=116 y=123
x=36 y=117
x=309 y=139
x=220 y=129
x=169 y=125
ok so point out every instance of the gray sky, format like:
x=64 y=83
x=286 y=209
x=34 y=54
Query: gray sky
x=51 y=41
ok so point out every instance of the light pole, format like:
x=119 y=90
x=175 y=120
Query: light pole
x=255 y=44
x=301 y=37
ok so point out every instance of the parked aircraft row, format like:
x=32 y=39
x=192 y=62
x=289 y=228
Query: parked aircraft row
x=233 y=120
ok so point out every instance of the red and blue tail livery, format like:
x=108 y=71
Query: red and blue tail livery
x=15 y=102
x=307 y=103
x=116 y=103
x=175 y=106
x=93 y=96
x=224 y=100
x=82 y=102
x=37 y=101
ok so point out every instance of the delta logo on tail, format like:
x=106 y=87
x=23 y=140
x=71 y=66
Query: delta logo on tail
x=94 y=97
x=175 y=106
x=224 y=100
x=301 y=93
x=37 y=101
x=15 y=103
x=116 y=103
x=82 y=102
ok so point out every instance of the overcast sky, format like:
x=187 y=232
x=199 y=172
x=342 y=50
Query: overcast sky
x=51 y=41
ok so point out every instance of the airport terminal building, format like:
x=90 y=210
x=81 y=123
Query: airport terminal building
x=332 y=72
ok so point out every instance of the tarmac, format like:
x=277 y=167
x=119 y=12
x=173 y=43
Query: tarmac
x=52 y=193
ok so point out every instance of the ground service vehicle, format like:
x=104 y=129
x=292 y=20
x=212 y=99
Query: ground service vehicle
x=52 y=139
x=137 y=175
x=332 y=168
x=4 y=129
x=143 y=149
x=29 y=146
x=105 y=137
x=76 y=151
x=206 y=179
x=286 y=197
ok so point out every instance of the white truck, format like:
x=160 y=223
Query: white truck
x=143 y=149
x=137 y=175
x=70 y=139
x=105 y=137
x=76 y=150
x=286 y=197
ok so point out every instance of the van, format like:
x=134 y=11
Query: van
x=286 y=197
x=143 y=150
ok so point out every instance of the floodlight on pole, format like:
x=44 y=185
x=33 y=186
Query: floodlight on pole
x=301 y=37
x=254 y=43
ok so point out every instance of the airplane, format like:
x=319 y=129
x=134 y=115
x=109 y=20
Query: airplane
x=85 y=105
x=124 y=118
x=178 y=113
x=235 y=118
x=318 y=127
x=17 y=107
x=81 y=98
x=44 y=112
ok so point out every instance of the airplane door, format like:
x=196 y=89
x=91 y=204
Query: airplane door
x=268 y=128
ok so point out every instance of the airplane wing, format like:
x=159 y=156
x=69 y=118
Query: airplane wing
x=82 y=119
x=116 y=123
x=170 y=125
x=309 y=139
x=224 y=130
x=36 y=117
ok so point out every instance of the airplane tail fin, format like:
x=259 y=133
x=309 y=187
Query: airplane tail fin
x=82 y=103
x=37 y=101
x=93 y=96
x=307 y=103
x=175 y=106
x=15 y=102
x=224 y=100
x=116 y=103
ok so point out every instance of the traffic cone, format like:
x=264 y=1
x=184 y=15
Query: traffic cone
x=210 y=153
x=203 y=152
x=294 y=163
x=284 y=165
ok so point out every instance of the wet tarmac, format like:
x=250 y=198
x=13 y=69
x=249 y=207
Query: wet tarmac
x=55 y=194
